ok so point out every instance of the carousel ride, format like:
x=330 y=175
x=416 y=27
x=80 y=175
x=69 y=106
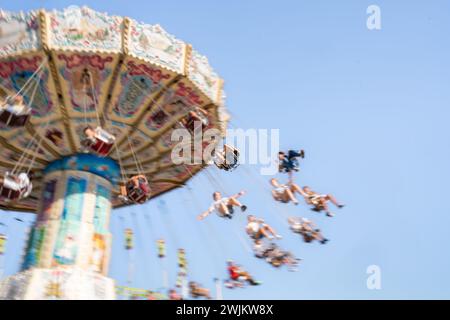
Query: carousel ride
x=88 y=104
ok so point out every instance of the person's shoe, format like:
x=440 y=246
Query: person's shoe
x=324 y=241
x=243 y=208
x=315 y=209
x=230 y=209
x=296 y=203
x=341 y=206
x=330 y=214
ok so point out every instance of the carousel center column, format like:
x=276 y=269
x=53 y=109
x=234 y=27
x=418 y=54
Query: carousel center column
x=69 y=247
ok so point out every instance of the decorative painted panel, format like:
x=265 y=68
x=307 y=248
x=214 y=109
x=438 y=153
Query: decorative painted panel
x=15 y=73
x=201 y=73
x=74 y=199
x=83 y=28
x=19 y=32
x=102 y=209
x=34 y=247
x=85 y=79
x=153 y=43
x=138 y=82
x=48 y=197
x=66 y=247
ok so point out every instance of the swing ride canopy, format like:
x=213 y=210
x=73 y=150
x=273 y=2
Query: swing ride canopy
x=143 y=81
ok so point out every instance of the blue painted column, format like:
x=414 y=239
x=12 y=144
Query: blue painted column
x=72 y=227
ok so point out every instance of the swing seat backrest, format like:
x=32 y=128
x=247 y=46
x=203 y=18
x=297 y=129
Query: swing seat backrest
x=104 y=136
x=11 y=182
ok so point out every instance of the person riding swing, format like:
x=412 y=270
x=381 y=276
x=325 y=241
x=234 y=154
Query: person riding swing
x=320 y=201
x=98 y=140
x=238 y=276
x=195 y=115
x=227 y=159
x=136 y=189
x=14 y=112
x=14 y=187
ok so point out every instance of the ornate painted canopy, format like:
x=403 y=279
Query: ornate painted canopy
x=144 y=81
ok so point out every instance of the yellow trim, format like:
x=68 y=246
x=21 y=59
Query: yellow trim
x=61 y=100
x=219 y=92
x=186 y=58
x=43 y=30
x=126 y=35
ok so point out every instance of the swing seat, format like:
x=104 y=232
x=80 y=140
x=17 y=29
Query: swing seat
x=231 y=284
x=10 y=189
x=139 y=194
x=14 y=119
x=101 y=148
x=227 y=165
x=103 y=143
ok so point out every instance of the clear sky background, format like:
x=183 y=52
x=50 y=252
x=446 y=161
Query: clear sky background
x=371 y=109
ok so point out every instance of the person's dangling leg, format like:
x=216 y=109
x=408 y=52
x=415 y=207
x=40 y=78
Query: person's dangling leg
x=294 y=154
x=319 y=237
x=325 y=207
x=269 y=232
x=233 y=202
x=333 y=200
x=265 y=233
x=223 y=209
x=250 y=280
x=288 y=193
x=295 y=188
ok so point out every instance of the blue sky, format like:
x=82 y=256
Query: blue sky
x=370 y=108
